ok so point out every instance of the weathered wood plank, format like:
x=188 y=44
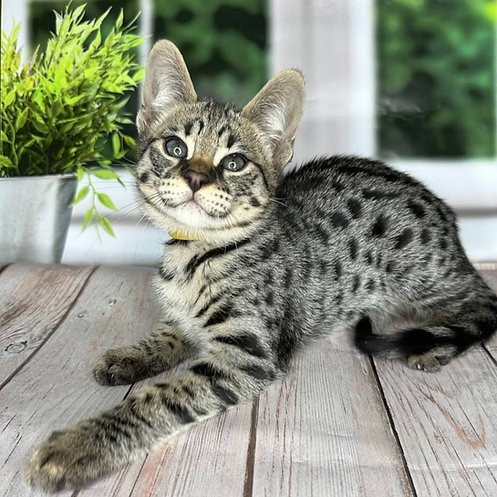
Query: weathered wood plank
x=324 y=432
x=55 y=388
x=447 y=424
x=33 y=301
x=301 y=446
x=208 y=459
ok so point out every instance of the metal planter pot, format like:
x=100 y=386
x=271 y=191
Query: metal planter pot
x=35 y=214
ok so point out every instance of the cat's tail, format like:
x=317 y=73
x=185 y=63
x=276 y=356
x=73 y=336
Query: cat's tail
x=475 y=323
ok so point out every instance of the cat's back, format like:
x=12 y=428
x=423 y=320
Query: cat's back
x=347 y=190
x=368 y=217
x=346 y=175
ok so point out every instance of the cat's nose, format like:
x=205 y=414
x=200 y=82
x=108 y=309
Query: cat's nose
x=195 y=179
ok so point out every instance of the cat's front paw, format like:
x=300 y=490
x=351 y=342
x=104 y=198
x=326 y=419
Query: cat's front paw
x=120 y=367
x=68 y=459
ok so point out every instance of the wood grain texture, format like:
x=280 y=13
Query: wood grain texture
x=56 y=388
x=33 y=301
x=324 y=432
x=447 y=424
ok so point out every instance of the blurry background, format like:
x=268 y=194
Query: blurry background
x=409 y=81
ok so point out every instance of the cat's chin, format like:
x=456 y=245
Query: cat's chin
x=186 y=216
x=201 y=227
x=192 y=215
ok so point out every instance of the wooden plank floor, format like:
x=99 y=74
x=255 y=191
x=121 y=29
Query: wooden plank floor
x=340 y=425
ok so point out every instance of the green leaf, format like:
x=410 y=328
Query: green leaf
x=139 y=75
x=129 y=141
x=105 y=223
x=56 y=108
x=5 y=161
x=105 y=174
x=116 y=144
x=80 y=174
x=22 y=118
x=90 y=213
x=40 y=127
x=106 y=200
x=119 y=21
x=82 y=193
x=9 y=98
x=78 y=11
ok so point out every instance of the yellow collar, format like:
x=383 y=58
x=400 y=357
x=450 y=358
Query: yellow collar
x=182 y=235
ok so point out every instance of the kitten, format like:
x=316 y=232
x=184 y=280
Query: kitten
x=259 y=264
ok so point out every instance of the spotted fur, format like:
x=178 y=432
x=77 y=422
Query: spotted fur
x=272 y=262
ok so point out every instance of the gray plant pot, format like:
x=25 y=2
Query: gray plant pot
x=35 y=214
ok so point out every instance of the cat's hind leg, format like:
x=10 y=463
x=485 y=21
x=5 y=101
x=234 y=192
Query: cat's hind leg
x=160 y=351
x=439 y=339
x=432 y=360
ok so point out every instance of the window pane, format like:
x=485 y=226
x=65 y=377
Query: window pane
x=223 y=42
x=437 y=84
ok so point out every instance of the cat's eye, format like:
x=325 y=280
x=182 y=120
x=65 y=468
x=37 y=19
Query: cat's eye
x=176 y=148
x=233 y=162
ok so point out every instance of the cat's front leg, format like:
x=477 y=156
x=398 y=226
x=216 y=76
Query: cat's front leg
x=225 y=376
x=160 y=351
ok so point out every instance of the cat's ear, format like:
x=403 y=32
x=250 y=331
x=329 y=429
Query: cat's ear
x=167 y=83
x=277 y=110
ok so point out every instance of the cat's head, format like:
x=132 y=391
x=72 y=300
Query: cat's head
x=208 y=171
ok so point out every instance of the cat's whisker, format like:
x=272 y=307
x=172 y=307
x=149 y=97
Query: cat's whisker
x=277 y=201
x=132 y=207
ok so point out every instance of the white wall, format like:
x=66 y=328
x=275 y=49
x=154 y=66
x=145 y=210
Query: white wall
x=136 y=242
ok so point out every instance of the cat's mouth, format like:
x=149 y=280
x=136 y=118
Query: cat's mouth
x=193 y=210
x=193 y=204
x=198 y=204
x=189 y=202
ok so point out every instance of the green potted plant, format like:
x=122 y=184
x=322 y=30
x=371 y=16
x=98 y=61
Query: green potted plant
x=62 y=118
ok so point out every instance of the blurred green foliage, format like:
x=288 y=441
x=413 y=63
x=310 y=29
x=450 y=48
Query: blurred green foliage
x=437 y=86
x=41 y=15
x=222 y=41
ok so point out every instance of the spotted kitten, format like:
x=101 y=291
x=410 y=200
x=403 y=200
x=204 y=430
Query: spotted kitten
x=259 y=264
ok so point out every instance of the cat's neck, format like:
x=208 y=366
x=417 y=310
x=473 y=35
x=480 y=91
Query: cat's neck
x=214 y=237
